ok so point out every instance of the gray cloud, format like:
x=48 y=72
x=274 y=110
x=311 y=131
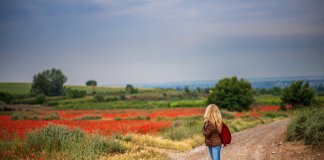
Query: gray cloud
x=155 y=41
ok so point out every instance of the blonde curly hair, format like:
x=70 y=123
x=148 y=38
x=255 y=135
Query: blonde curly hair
x=213 y=115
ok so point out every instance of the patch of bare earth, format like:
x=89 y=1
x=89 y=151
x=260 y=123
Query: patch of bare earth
x=263 y=142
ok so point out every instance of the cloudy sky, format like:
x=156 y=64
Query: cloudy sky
x=146 y=41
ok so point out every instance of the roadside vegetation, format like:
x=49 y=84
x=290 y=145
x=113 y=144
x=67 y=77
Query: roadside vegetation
x=155 y=116
x=307 y=125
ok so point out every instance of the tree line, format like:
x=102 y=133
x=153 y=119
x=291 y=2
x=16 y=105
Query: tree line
x=230 y=93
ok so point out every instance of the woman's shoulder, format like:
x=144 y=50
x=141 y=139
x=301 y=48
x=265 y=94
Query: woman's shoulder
x=207 y=123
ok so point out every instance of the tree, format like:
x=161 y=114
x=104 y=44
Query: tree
x=276 y=91
x=232 y=94
x=130 y=89
x=298 y=93
x=93 y=84
x=186 y=90
x=49 y=82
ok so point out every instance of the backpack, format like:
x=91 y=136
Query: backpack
x=225 y=135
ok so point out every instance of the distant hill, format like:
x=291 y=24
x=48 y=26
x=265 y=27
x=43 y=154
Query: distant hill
x=256 y=82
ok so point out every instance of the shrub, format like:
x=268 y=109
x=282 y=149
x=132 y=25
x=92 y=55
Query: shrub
x=122 y=97
x=53 y=138
x=52 y=103
x=74 y=93
x=99 y=98
x=40 y=99
x=232 y=93
x=72 y=144
x=34 y=117
x=6 y=97
x=117 y=136
x=308 y=126
x=52 y=117
x=90 y=118
x=298 y=93
x=16 y=117
x=139 y=118
x=117 y=119
x=21 y=116
x=101 y=145
x=128 y=138
x=111 y=99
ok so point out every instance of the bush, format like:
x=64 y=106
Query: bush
x=111 y=99
x=128 y=138
x=308 y=126
x=101 y=145
x=72 y=144
x=40 y=99
x=117 y=119
x=52 y=117
x=232 y=93
x=16 y=117
x=90 y=118
x=21 y=116
x=139 y=118
x=6 y=97
x=117 y=136
x=52 y=103
x=53 y=138
x=99 y=98
x=74 y=93
x=298 y=93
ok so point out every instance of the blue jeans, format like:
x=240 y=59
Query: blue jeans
x=214 y=152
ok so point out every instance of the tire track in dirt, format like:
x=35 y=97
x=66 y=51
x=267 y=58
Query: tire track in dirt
x=255 y=143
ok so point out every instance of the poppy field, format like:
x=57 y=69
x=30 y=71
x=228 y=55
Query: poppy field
x=110 y=122
x=122 y=130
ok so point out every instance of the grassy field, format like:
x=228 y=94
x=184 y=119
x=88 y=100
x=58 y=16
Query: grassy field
x=56 y=142
x=267 y=100
x=24 y=88
x=88 y=103
x=15 y=88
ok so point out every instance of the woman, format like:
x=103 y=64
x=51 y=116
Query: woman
x=211 y=130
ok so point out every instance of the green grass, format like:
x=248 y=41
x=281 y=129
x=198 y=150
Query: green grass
x=15 y=88
x=98 y=89
x=59 y=142
x=188 y=103
x=183 y=128
x=87 y=103
x=267 y=100
x=320 y=99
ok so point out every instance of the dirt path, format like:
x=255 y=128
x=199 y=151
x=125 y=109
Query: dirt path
x=258 y=143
